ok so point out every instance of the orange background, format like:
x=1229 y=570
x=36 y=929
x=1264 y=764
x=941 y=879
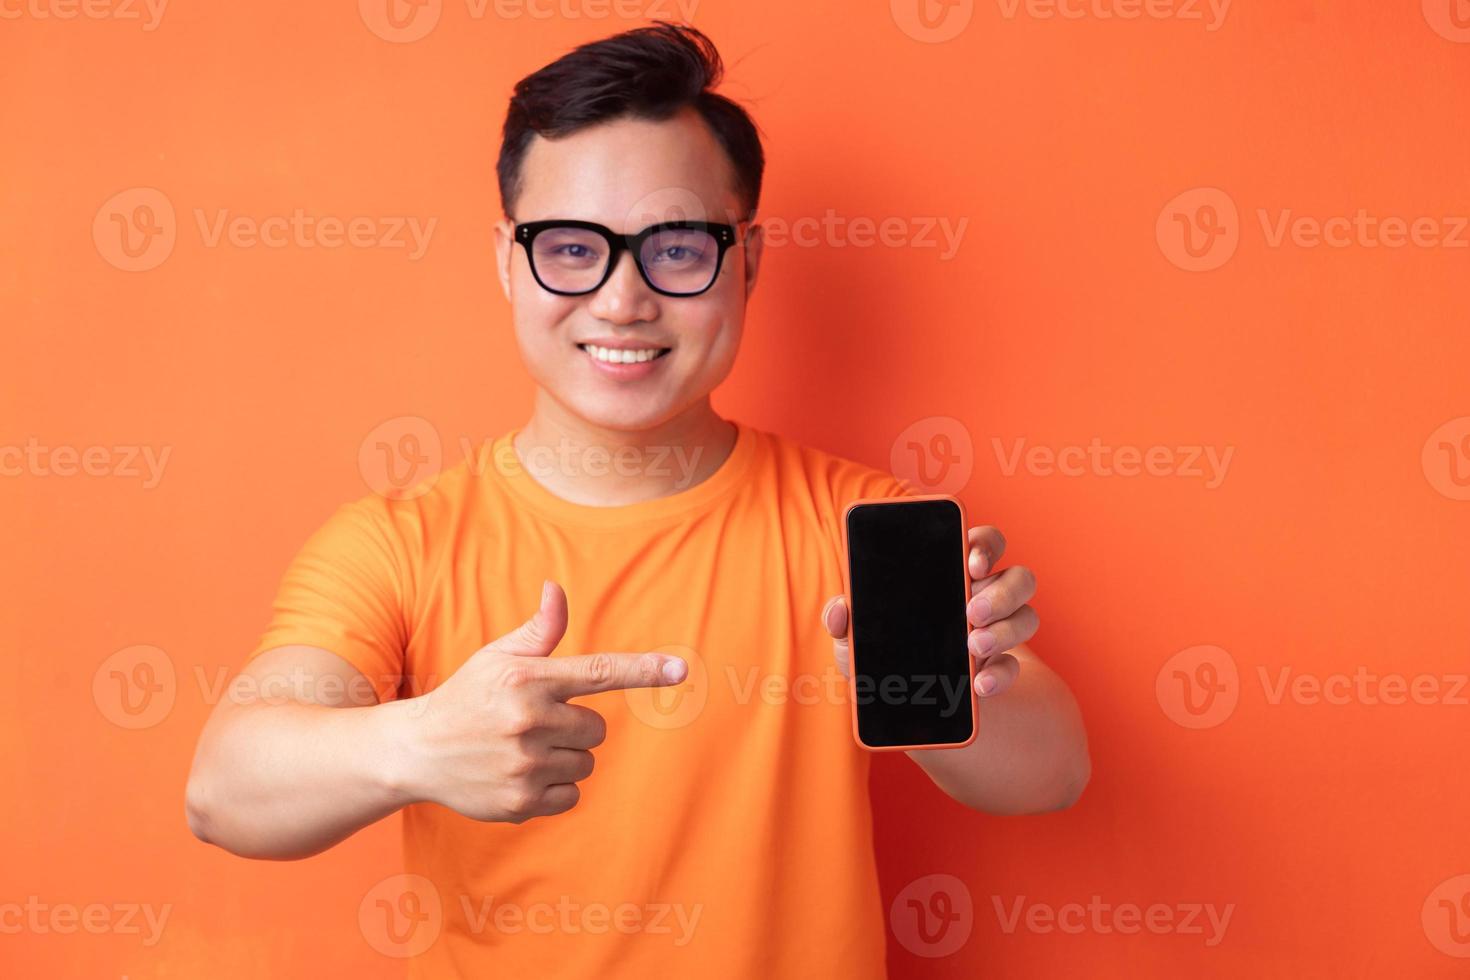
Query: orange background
x=1334 y=542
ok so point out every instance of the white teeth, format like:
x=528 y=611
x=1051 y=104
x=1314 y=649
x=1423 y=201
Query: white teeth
x=621 y=356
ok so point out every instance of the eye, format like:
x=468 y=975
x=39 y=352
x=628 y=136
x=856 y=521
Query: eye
x=678 y=253
x=569 y=251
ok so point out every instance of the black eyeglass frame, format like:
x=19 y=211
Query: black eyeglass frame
x=724 y=236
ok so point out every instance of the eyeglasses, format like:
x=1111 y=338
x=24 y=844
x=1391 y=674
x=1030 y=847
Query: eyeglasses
x=675 y=258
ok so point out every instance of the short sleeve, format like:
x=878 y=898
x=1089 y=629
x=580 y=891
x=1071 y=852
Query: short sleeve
x=865 y=482
x=344 y=592
x=845 y=481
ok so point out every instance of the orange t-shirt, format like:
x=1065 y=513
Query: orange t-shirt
x=726 y=831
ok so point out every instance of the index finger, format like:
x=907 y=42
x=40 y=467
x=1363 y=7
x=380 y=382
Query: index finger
x=590 y=673
x=987 y=544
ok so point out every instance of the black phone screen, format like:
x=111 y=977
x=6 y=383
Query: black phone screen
x=911 y=659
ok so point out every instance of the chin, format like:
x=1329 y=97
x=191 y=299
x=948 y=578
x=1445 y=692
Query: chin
x=629 y=413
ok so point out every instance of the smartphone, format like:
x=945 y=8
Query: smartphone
x=911 y=676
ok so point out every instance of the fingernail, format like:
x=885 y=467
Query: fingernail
x=976 y=561
x=674 y=670
x=545 y=590
x=980 y=609
x=984 y=640
x=987 y=683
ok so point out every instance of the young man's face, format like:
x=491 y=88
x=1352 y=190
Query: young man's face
x=627 y=174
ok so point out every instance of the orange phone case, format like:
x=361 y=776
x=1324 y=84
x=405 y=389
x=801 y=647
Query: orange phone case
x=852 y=615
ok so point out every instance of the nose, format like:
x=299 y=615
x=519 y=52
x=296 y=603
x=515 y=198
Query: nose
x=625 y=297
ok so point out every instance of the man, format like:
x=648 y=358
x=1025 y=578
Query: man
x=727 y=829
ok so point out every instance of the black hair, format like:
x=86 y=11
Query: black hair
x=647 y=73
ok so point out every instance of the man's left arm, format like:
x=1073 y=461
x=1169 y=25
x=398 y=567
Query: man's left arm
x=1030 y=753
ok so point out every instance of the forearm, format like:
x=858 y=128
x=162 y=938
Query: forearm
x=1030 y=754
x=288 y=780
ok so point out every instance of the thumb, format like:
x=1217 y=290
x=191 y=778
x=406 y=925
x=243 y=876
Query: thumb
x=834 y=620
x=540 y=634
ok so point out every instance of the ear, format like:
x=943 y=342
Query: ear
x=754 y=247
x=505 y=247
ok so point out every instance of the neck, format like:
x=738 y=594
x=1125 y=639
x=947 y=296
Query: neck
x=587 y=463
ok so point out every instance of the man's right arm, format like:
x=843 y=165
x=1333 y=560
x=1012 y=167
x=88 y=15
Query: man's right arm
x=298 y=756
x=301 y=755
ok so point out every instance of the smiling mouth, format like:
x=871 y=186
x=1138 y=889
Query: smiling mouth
x=615 y=356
